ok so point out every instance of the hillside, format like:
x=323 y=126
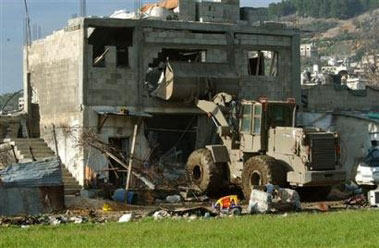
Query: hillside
x=340 y=37
x=341 y=9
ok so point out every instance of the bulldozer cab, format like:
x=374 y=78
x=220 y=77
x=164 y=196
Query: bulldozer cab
x=257 y=117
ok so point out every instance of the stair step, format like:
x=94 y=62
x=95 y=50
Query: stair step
x=70 y=182
x=22 y=139
x=41 y=150
x=71 y=186
x=34 y=148
x=35 y=152
x=71 y=192
x=37 y=156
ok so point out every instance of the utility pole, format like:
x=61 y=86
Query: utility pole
x=83 y=8
x=28 y=30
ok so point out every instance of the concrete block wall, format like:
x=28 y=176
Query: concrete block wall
x=224 y=12
x=275 y=88
x=55 y=67
x=184 y=37
x=327 y=98
x=110 y=85
x=187 y=10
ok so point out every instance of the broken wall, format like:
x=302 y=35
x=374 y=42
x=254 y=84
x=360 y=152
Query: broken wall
x=120 y=127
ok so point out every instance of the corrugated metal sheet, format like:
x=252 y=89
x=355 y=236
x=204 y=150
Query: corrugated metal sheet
x=46 y=173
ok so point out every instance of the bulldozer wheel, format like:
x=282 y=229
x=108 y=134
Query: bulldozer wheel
x=203 y=172
x=261 y=170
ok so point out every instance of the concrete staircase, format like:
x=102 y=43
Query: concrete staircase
x=40 y=151
x=71 y=186
x=39 y=148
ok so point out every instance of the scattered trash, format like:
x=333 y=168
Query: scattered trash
x=158 y=215
x=126 y=218
x=260 y=202
x=273 y=197
x=106 y=207
x=357 y=201
x=323 y=207
x=228 y=205
x=76 y=220
x=173 y=199
x=55 y=221
x=286 y=196
x=207 y=215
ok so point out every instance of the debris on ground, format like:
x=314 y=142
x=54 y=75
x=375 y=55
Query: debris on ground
x=260 y=202
x=228 y=205
x=323 y=207
x=273 y=198
x=126 y=218
x=357 y=201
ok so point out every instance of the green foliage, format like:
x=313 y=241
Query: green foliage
x=12 y=104
x=332 y=229
x=319 y=26
x=341 y=9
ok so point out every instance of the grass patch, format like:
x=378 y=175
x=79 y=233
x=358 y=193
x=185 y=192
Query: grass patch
x=336 y=229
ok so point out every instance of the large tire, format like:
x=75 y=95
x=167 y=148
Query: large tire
x=261 y=170
x=203 y=172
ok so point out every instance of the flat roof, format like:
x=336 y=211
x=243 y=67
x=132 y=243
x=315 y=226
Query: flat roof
x=185 y=25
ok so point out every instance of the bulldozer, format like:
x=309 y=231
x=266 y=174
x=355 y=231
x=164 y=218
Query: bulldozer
x=260 y=144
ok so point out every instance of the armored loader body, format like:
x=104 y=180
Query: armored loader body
x=260 y=145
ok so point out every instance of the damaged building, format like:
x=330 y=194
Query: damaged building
x=108 y=74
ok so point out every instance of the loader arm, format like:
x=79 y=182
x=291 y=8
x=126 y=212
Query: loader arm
x=215 y=113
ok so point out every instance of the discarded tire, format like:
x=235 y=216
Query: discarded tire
x=203 y=172
x=261 y=170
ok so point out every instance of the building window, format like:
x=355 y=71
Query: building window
x=263 y=63
x=121 y=38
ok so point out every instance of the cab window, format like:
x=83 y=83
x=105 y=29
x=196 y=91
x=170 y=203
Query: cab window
x=257 y=119
x=246 y=118
x=279 y=116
